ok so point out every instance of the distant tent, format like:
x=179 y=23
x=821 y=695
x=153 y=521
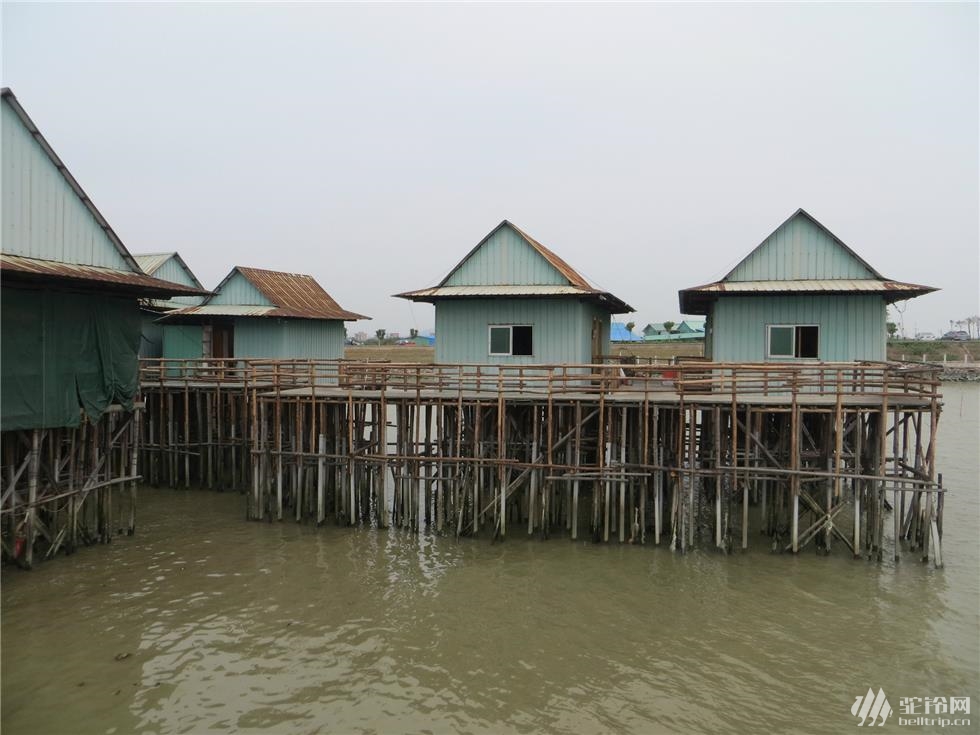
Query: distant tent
x=619 y=333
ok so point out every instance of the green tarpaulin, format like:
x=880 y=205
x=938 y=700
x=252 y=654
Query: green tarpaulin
x=59 y=351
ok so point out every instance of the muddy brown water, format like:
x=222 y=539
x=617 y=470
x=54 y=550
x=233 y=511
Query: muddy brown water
x=204 y=622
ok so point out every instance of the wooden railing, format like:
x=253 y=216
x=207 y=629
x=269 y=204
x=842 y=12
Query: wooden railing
x=684 y=378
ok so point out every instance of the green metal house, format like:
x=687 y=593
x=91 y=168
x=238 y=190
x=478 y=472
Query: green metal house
x=512 y=301
x=256 y=313
x=167 y=267
x=802 y=294
x=71 y=291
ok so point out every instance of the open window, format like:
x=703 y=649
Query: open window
x=511 y=339
x=792 y=341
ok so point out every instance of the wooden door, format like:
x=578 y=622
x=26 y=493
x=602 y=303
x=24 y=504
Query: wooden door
x=596 y=340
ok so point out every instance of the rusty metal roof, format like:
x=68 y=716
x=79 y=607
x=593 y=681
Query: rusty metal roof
x=293 y=295
x=696 y=300
x=296 y=295
x=22 y=268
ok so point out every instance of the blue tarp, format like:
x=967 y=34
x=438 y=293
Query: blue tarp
x=619 y=333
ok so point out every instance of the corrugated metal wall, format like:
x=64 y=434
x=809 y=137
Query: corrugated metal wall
x=42 y=216
x=289 y=338
x=799 y=250
x=238 y=290
x=562 y=330
x=852 y=327
x=183 y=341
x=172 y=271
x=506 y=258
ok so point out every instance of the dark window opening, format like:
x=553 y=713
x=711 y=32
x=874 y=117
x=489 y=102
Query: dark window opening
x=806 y=341
x=521 y=341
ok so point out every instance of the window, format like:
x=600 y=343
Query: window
x=507 y=339
x=794 y=341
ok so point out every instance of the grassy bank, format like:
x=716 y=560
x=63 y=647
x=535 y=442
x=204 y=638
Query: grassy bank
x=933 y=351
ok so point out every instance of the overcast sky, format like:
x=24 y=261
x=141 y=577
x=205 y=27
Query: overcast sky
x=651 y=146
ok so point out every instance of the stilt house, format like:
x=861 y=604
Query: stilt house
x=69 y=337
x=802 y=294
x=167 y=267
x=512 y=301
x=255 y=313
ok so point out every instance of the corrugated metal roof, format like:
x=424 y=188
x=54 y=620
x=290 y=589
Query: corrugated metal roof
x=293 y=295
x=296 y=295
x=694 y=300
x=224 y=310
x=613 y=304
x=25 y=268
x=516 y=290
x=150 y=262
x=837 y=285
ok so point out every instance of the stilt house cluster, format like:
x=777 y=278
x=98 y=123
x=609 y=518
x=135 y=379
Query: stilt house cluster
x=794 y=425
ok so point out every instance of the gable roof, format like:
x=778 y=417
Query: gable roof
x=575 y=283
x=698 y=299
x=28 y=267
x=150 y=263
x=291 y=295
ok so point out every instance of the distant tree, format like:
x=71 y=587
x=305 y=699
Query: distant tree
x=413 y=333
x=973 y=324
x=630 y=326
x=892 y=328
x=668 y=327
x=380 y=334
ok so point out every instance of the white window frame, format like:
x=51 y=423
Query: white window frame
x=510 y=340
x=794 y=327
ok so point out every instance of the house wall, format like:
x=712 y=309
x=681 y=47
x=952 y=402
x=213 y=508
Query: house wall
x=506 y=258
x=238 y=290
x=183 y=341
x=798 y=250
x=317 y=339
x=562 y=330
x=42 y=216
x=852 y=326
